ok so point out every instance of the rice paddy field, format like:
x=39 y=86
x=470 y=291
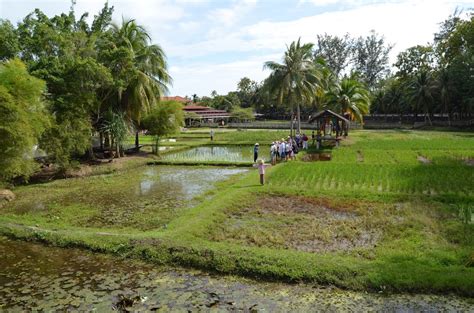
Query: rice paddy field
x=389 y=212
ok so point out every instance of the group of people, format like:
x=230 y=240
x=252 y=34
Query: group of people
x=282 y=150
x=285 y=150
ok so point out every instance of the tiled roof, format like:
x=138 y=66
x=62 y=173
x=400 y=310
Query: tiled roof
x=195 y=107
x=176 y=98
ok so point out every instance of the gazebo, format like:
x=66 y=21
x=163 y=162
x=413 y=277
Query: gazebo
x=330 y=126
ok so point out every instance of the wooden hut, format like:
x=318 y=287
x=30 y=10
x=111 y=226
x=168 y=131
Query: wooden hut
x=330 y=126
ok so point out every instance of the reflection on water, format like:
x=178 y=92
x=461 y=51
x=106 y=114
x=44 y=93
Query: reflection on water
x=184 y=183
x=214 y=153
x=146 y=198
x=39 y=278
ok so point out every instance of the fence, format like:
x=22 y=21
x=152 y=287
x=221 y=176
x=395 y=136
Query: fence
x=281 y=125
x=369 y=124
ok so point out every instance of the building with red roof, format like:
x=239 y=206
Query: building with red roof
x=198 y=114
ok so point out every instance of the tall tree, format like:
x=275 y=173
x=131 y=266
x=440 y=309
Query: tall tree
x=371 y=58
x=9 y=45
x=421 y=91
x=150 y=76
x=295 y=79
x=246 y=91
x=415 y=59
x=336 y=51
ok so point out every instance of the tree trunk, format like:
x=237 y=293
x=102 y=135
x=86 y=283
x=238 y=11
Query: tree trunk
x=137 y=140
x=291 y=113
x=107 y=141
x=427 y=115
x=117 y=149
x=298 y=116
x=91 y=152
x=156 y=146
x=291 y=121
x=101 y=139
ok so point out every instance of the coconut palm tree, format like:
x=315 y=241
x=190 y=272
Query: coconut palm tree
x=420 y=91
x=444 y=85
x=295 y=79
x=349 y=96
x=150 y=76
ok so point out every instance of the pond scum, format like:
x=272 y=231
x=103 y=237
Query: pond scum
x=383 y=222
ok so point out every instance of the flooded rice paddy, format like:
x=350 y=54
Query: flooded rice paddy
x=213 y=154
x=34 y=277
x=144 y=198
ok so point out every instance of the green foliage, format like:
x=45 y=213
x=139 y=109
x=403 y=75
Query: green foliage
x=23 y=119
x=421 y=245
x=335 y=51
x=115 y=124
x=164 y=119
x=434 y=78
x=227 y=102
x=70 y=137
x=241 y=114
x=296 y=79
x=371 y=58
x=349 y=96
x=465 y=213
x=421 y=92
x=9 y=45
x=415 y=59
x=89 y=71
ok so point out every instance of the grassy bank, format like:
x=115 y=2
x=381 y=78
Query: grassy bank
x=382 y=215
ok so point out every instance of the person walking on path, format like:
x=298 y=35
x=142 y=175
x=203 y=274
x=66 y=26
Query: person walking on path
x=261 y=170
x=212 y=134
x=255 y=152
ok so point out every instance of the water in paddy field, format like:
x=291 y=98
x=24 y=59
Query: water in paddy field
x=122 y=199
x=215 y=154
x=185 y=182
x=36 y=277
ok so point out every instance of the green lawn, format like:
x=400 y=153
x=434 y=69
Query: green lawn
x=382 y=215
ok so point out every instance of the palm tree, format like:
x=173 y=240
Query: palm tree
x=444 y=85
x=420 y=92
x=349 y=96
x=296 y=79
x=326 y=80
x=150 y=79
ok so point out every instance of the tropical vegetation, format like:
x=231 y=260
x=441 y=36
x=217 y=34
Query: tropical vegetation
x=87 y=80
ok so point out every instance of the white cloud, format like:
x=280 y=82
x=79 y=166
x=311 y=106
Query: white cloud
x=402 y=23
x=229 y=16
x=202 y=78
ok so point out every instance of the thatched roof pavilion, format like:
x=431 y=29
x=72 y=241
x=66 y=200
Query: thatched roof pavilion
x=330 y=125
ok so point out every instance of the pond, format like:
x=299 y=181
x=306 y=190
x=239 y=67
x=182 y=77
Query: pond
x=144 y=198
x=34 y=277
x=232 y=154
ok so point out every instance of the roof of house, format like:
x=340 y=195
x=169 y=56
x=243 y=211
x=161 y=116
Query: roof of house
x=176 y=98
x=195 y=108
x=326 y=113
x=205 y=112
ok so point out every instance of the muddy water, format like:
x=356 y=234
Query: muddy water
x=214 y=153
x=145 y=198
x=35 y=277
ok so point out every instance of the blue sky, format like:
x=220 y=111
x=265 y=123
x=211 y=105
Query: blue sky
x=211 y=44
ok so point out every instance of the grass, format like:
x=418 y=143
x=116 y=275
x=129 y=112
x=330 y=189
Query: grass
x=375 y=217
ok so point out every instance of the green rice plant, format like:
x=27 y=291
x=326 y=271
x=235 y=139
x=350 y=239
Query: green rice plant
x=230 y=154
